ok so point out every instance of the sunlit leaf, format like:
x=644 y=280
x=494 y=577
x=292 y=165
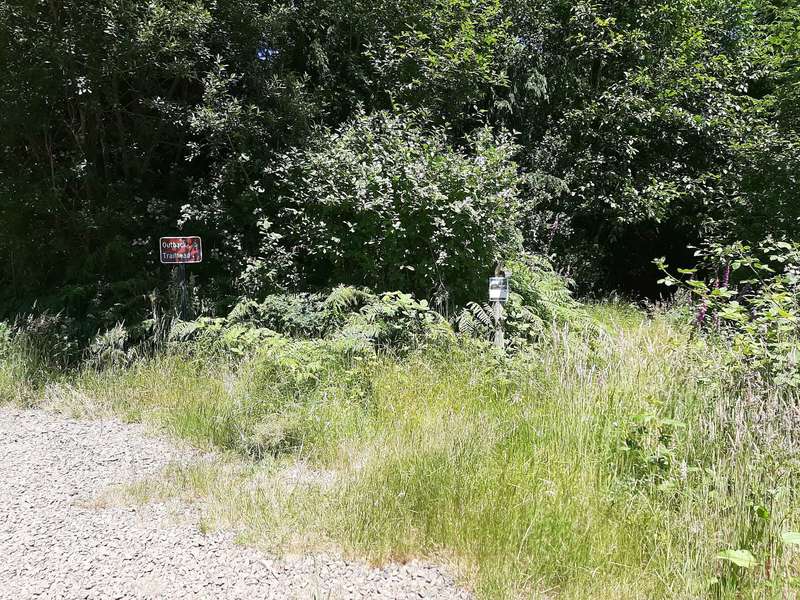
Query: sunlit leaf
x=741 y=558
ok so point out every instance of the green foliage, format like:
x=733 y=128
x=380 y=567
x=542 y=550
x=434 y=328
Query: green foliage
x=648 y=449
x=655 y=130
x=111 y=348
x=5 y=340
x=753 y=300
x=393 y=321
x=741 y=558
x=780 y=21
x=539 y=298
x=296 y=315
x=574 y=441
x=14 y=376
x=272 y=128
x=448 y=57
x=536 y=285
x=343 y=301
x=47 y=341
x=284 y=382
x=207 y=335
x=396 y=321
x=384 y=203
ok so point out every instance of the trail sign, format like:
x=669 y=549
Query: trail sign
x=498 y=289
x=181 y=250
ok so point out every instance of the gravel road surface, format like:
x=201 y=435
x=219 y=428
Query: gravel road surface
x=56 y=543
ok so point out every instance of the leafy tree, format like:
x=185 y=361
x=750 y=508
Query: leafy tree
x=641 y=107
x=90 y=166
x=770 y=157
x=637 y=127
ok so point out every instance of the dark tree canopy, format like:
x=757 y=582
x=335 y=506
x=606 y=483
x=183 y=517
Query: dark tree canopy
x=614 y=132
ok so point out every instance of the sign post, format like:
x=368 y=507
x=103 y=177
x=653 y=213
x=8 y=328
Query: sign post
x=181 y=251
x=498 y=295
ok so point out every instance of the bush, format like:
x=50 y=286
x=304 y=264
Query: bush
x=110 y=348
x=388 y=203
x=392 y=321
x=534 y=284
x=296 y=315
x=218 y=335
x=395 y=321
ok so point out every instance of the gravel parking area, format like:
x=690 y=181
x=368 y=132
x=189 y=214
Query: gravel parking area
x=56 y=543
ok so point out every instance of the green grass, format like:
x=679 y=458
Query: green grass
x=612 y=463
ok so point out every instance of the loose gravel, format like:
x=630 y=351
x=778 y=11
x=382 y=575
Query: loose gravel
x=56 y=542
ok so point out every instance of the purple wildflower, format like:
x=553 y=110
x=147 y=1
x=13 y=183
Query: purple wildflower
x=701 y=314
x=726 y=275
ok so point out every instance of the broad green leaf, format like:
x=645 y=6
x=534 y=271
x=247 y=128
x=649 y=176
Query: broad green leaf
x=696 y=284
x=741 y=558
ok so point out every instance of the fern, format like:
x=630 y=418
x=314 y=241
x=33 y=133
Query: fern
x=361 y=328
x=109 y=348
x=347 y=299
x=475 y=320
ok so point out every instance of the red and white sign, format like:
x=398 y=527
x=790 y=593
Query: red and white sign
x=180 y=250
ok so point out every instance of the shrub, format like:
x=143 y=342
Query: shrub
x=110 y=348
x=388 y=203
x=296 y=315
x=395 y=321
x=546 y=293
x=214 y=335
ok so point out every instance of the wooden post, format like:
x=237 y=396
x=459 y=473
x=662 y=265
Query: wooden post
x=183 y=293
x=497 y=308
x=499 y=338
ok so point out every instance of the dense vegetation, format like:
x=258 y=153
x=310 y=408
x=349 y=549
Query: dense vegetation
x=321 y=142
x=356 y=171
x=619 y=455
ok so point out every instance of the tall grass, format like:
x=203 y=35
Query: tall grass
x=518 y=469
x=612 y=463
